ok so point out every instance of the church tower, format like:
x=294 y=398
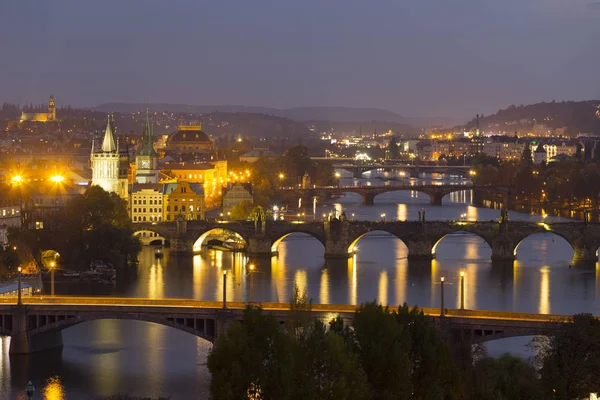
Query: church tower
x=146 y=159
x=106 y=163
x=51 y=109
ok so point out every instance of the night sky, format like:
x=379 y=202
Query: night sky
x=449 y=58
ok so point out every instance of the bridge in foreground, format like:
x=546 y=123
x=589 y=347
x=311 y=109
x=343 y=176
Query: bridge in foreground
x=340 y=236
x=37 y=324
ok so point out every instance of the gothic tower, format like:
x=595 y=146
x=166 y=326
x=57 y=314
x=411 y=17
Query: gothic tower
x=51 y=109
x=146 y=159
x=106 y=163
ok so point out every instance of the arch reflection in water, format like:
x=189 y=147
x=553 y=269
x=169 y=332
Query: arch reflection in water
x=544 y=290
x=549 y=248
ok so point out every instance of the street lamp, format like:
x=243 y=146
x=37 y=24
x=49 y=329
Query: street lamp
x=442 y=312
x=352 y=216
x=30 y=389
x=251 y=267
x=19 y=302
x=281 y=178
x=224 y=289
x=383 y=217
x=338 y=176
x=462 y=290
x=52 y=265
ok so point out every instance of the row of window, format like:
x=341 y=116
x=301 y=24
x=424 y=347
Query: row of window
x=12 y=211
x=149 y=210
x=149 y=202
x=152 y=218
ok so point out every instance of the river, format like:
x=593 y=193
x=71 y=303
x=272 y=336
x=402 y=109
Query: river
x=144 y=359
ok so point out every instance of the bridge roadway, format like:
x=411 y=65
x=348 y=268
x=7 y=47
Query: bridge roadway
x=368 y=193
x=37 y=324
x=414 y=170
x=340 y=237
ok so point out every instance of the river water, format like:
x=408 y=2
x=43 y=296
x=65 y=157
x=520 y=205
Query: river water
x=145 y=359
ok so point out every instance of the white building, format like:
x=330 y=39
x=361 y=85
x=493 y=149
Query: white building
x=109 y=166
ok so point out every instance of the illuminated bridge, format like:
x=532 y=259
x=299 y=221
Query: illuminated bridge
x=37 y=324
x=340 y=236
x=368 y=193
x=358 y=169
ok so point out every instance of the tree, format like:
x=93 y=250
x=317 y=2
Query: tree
x=505 y=378
x=526 y=157
x=241 y=211
x=383 y=347
x=569 y=361
x=252 y=360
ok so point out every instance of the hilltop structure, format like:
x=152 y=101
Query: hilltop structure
x=41 y=117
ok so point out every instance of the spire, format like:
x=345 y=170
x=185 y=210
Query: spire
x=147 y=148
x=108 y=144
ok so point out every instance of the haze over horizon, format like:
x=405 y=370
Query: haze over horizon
x=433 y=58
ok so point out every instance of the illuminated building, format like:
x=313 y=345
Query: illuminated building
x=109 y=165
x=235 y=194
x=183 y=198
x=146 y=203
x=41 y=117
x=146 y=159
x=203 y=172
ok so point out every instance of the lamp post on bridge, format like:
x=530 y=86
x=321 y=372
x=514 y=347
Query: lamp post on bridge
x=338 y=178
x=19 y=301
x=224 y=289
x=52 y=266
x=251 y=267
x=462 y=290
x=442 y=311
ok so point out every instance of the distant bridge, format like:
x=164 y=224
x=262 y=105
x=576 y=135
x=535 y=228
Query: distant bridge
x=37 y=324
x=358 y=168
x=340 y=236
x=368 y=193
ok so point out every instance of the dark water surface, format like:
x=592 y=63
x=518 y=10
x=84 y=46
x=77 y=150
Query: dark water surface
x=139 y=358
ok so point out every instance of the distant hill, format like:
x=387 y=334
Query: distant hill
x=341 y=114
x=576 y=116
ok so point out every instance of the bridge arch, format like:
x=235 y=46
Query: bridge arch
x=353 y=247
x=303 y=232
x=148 y=236
x=204 y=328
x=429 y=197
x=226 y=233
x=461 y=232
x=560 y=236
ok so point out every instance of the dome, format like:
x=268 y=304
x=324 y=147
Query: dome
x=189 y=139
x=189 y=134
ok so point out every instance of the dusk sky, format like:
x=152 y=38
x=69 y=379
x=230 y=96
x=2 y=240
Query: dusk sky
x=450 y=58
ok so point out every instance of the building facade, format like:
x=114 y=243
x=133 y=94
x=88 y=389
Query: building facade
x=109 y=165
x=41 y=117
x=146 y=203
x=183 y=198
x=540 y=155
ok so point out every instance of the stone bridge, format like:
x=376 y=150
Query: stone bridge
x=414 y=170
x=340 y=236
x=37 y=324
x=368 y=193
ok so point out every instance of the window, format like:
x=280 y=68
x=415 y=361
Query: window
x=168 y=217
x=134 y=219
x=175 y=208
x=168 y=208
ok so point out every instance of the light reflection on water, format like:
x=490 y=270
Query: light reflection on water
x=143 y=359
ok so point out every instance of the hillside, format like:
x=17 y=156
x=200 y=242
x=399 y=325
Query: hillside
x=576 y=116
x=301 y=114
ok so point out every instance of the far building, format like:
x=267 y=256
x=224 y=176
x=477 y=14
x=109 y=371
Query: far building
x=256 y=154
x=146 y=159
x=146 y=203
x=109 y=165
x=306 y=183
x=41 y=117
x=540 y=155
x=235 y=193
x=477 y=139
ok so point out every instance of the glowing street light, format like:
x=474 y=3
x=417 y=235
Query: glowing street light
x=442 y=311
x=19 y=302
x=52 y=265
x=383 y=217
x=57 y=178
x=224 y=289
x=462 y=290
x=16 y=179
x=251 y=268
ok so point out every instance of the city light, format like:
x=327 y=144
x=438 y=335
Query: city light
x=472 y=172
x=16 y=179
x=57 y=178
